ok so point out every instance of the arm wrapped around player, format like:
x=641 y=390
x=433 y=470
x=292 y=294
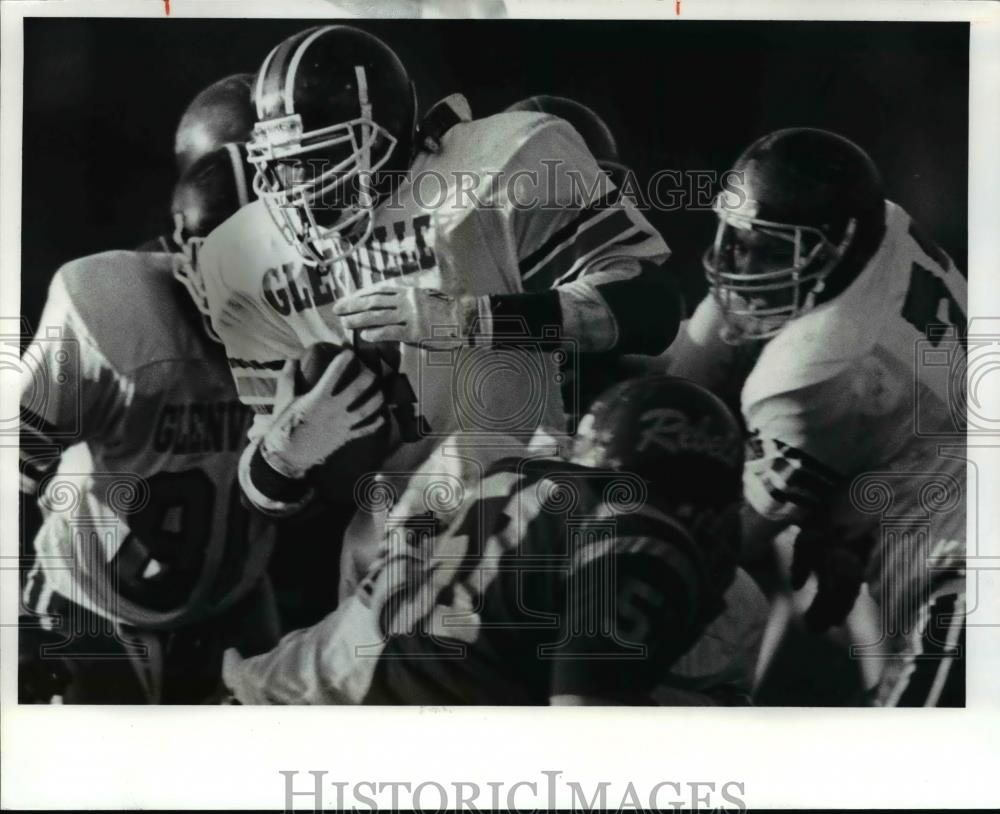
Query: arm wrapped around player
x=576 y=260
x=418 y=316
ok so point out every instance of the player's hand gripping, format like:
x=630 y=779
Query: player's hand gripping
x=339 y=408
x=417 y=316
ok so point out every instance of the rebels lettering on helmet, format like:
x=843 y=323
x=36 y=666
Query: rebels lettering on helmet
x=672 y=431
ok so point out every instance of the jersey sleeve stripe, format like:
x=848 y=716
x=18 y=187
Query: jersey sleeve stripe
x=596 y=234
x=256 y=386
x=639 y=236
x=791 y=464
x=275 y=364
x=32 y=437
x=565 y=232
x=781 y=493
x=799 y=475
x=782 y=482
x=760 y=447
x=803 y=462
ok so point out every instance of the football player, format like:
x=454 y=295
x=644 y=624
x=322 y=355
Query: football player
x=220 y=114
x=148 y=565
x=823 y=294
x=404 y=238
x=535 y=580
x=592 y=129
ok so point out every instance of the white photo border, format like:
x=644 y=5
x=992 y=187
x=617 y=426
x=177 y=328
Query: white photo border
x=231 y=757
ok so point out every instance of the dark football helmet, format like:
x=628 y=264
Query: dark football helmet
x=670 y=431
x=221 y=113
x=334 y=107
x=802 y=204
x=211 y=190
x=592 y=128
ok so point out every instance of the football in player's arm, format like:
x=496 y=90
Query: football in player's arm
x=578 y=582
x=360 y=257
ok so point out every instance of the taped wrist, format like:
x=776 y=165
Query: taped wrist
x=513 y=318
x=270 y=491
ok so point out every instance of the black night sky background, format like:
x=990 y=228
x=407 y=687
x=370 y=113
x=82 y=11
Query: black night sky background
x=102 y=98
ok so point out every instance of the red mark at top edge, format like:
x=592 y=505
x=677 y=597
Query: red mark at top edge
x=677 y=7
x=166 y=7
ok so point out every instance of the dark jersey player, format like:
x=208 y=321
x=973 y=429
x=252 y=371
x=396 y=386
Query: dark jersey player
x=534 y=579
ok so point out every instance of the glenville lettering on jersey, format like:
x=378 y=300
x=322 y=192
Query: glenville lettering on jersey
x=380 y=258
x=188 y=429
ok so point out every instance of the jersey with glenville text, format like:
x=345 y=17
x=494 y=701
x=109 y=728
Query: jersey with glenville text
x=130 y=433
x=857 y=408
x=517 y=202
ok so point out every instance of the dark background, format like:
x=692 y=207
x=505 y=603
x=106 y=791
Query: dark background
x=102 y=98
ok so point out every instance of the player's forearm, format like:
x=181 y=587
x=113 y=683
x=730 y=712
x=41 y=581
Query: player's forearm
x=316 y=665
x=513 y=320
x=638 y=313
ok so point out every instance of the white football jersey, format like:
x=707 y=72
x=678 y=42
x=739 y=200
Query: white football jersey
x=467 y=199
x=131 y=432
x=857 y=406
